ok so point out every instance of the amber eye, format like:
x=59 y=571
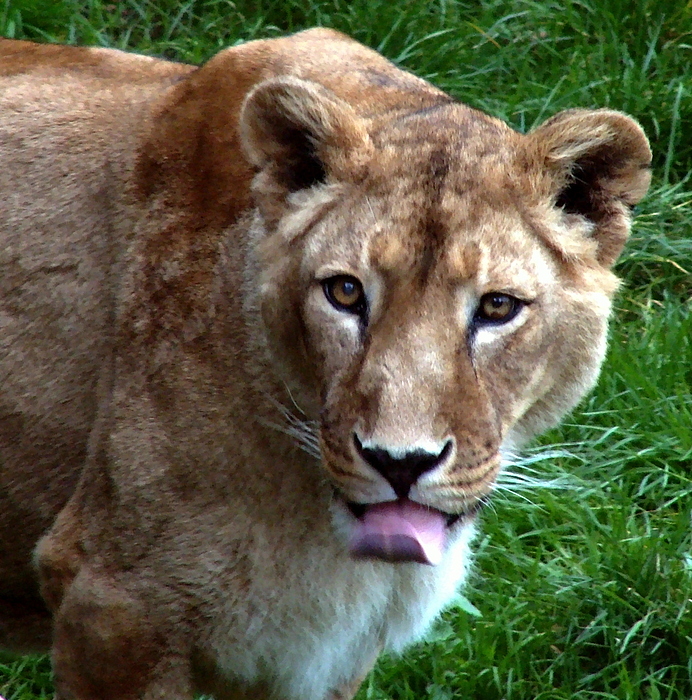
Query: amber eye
x=497 y=308
x=345 y=293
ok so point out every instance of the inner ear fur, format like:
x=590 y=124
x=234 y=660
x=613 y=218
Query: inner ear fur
x=301 y=134
x=597 y=163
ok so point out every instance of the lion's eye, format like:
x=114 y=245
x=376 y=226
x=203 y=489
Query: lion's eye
x=497 y=308
x=345 y=293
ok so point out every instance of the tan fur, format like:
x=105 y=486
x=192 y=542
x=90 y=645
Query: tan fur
x=166 y=346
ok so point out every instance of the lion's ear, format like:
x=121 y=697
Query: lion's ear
x=597 y=162
x=299 y=134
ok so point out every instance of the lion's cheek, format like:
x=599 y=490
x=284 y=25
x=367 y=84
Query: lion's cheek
x=513 y=369
x=333 y=341
x=290 y=355
x=553 y=371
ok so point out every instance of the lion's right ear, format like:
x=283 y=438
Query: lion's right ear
x=299 y=134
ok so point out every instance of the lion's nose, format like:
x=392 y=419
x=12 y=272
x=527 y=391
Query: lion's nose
x=402 y=470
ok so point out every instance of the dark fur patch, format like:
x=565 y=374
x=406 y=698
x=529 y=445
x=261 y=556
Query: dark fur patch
x=433 y=228
x=430 y=109
x=303 y=167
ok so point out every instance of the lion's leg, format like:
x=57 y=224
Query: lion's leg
x=109 y=646
x=348 y=690
x=110 y=641
x=261 y=692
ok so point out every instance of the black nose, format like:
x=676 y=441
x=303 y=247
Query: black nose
x=402 y=472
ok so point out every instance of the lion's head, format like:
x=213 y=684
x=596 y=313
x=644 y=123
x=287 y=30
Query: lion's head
x=435 y=289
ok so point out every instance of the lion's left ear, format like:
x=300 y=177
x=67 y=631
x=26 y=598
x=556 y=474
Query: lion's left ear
x=300 y=134
x=597 y=162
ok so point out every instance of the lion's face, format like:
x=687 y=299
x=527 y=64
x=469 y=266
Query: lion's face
x=436 y=292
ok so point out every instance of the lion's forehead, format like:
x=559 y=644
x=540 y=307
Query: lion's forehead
x=459 y=237
x=445 y=197
x=445 y=182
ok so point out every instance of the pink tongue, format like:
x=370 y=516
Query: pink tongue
x=400 y=531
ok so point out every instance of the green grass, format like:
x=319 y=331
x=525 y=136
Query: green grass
x=583 y=591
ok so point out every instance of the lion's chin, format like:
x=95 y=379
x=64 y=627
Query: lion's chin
x=399 y=531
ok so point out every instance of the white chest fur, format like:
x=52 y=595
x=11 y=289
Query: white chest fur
x=332 y=616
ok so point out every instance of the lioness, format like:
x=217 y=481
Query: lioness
x=267 y=327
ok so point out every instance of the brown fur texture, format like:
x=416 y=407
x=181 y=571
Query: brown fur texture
x=167 y=346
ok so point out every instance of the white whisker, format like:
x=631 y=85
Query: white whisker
x=304 y=432
x=503 y=492
x=293 y=401
x=306 y=442
x=518 y=474
x=515 y=481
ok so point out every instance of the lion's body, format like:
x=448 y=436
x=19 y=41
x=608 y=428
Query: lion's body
x=164 y=341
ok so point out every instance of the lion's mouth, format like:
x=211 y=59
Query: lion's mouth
x=400 y=531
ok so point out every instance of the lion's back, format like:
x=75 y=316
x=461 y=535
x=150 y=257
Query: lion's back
x=70 y=119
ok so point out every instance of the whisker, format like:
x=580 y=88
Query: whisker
x=306 y=443
x=293 y=401
x=503 y=493
x=304 y=432
x=519 y=475
x=515 y=481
